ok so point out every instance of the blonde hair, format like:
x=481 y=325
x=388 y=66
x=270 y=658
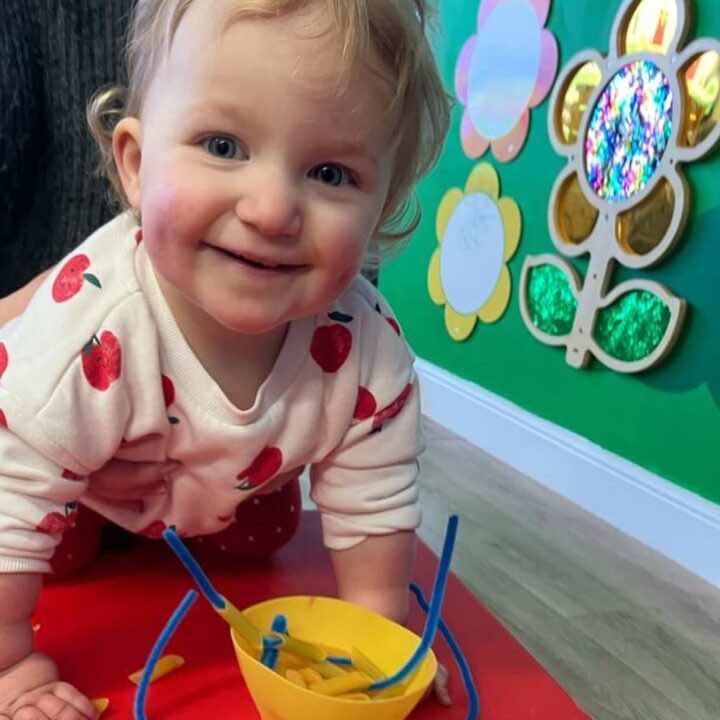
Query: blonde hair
x=392 y=31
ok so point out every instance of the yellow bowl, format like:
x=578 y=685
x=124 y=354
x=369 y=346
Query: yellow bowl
x=337 y=624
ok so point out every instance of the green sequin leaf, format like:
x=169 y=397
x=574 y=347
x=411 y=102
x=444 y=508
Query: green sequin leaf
x=550 y=300
x=633 y=326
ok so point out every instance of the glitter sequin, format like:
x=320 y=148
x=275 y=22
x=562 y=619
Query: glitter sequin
x=629 y=131
x=551 y=302
x=632 y=327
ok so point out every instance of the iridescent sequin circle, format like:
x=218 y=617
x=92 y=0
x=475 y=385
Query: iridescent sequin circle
x=629 y=131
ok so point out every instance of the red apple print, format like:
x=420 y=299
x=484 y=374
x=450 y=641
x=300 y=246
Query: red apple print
x=3 y=419
x=154 y=531
x=3 y=358
x=391 y=320
x=139 y=236
x=168 y=390
x=263 y=467
x=392 y=409
x=366 y=404
x=70 y=279
x=169 y=394
x=56 y=522
x=52 y=524
x=330 y=346
x=102 y=360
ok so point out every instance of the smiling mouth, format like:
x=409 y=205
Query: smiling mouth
x=269 y=267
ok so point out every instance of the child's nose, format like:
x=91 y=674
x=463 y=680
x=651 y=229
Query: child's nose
x=271 y=205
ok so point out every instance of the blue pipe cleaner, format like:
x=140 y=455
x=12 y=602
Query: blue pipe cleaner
x=433 y=616
x=172 y=624
x=192 y=566
x=472 y=693
x=280 y=624
x=432 y=624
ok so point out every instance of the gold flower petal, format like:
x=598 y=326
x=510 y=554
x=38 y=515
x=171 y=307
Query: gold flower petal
x=483 y=179
x=459 y=326
x=435 y=288
x=652 y=27
x=448 y=205
x=495 y=307
x=701 y=80
x=512 y=221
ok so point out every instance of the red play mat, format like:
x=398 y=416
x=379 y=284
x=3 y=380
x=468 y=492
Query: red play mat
x=101 y=626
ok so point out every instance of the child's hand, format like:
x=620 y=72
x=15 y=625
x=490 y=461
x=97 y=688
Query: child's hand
x=30 y=690
x=126 y=480
x=440 y=686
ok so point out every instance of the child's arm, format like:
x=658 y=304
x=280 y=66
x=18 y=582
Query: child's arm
x=366 y=489
x=29 y=679
x=376 y=573
x=18 y=594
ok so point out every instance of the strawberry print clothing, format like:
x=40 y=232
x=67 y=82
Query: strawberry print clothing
x=97 y=368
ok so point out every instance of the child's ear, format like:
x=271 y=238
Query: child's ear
x=127 y=143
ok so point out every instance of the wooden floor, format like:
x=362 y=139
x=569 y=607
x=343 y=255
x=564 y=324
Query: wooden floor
x=627 y=633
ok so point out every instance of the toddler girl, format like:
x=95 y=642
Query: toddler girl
x=264 y=150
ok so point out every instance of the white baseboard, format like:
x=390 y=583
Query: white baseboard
x=663 y=516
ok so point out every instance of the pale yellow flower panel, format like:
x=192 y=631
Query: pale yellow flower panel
x=459 y=326
x=496 y=306
x=435 y=288
x=448 y=204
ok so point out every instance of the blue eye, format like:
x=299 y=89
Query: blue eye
x=222 y=147
x=331 y=174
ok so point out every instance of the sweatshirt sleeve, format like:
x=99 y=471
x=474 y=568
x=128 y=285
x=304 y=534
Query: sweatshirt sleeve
x=79 y=370
x=64 y=411
x=38 y=500
x=368 y=484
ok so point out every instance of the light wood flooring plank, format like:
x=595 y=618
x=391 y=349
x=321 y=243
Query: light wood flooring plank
x=629 y=634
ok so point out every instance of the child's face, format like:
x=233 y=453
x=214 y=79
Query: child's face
x=259 y=187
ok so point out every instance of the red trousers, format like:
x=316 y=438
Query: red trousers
x=263 y=524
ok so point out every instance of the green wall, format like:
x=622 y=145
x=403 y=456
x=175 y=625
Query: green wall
x=667 y=419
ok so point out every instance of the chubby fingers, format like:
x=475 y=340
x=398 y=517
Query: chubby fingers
x=125 y=480
x=442 y=678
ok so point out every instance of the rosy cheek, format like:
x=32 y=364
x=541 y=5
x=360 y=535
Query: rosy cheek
x=172 y=209
x=159 y=193
x=163 y=204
